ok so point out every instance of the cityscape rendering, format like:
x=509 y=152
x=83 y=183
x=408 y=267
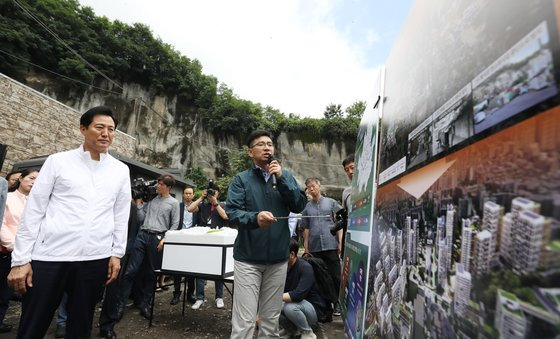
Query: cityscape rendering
x=477 y=255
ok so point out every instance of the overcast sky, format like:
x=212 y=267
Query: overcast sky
x=296 y=56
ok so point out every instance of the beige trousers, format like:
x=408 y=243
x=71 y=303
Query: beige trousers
x=257 y=287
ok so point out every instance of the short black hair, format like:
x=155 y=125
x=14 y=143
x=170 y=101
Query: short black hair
x=167 y=179
x=294 y=246
x=257 y=134
x=348 y=160
x=11 y=173
x=87 y=117
x=24 y=173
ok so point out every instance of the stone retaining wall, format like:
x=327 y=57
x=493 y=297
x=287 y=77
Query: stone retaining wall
x=32 y=124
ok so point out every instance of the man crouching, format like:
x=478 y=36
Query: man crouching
x=303 y=304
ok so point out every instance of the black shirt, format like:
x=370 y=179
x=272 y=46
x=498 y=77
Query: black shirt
x=300 y=284
x=208 y=215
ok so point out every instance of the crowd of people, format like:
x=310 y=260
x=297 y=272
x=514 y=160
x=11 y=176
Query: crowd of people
x=75 y=233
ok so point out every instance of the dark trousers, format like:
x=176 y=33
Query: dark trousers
x=109 y=315
x=145 y=248
x=5 y=290
x=81 y=280
x=333 y=263
x=177 y=286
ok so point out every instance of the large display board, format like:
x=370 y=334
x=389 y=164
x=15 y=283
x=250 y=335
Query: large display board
x=358 y=238
x=465 y=229
x=461 y=71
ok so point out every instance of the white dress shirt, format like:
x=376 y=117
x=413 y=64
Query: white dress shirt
x=293 y=219
x=187 y=218
x=77 y=210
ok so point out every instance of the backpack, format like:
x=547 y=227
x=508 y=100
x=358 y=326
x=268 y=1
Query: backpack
x=322 y=278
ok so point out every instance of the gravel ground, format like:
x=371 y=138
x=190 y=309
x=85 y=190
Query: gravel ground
x=168 y=322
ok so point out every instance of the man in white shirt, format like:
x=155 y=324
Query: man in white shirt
x=73 y=231
x=186 y=220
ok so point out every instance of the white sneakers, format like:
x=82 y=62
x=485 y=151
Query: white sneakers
x=197 y=304
x=308 y=335
x=219 y=303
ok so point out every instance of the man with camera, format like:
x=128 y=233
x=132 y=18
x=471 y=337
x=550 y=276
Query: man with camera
x=108 y=317
x=210 y=212
x=160 y=214
x=317 y=238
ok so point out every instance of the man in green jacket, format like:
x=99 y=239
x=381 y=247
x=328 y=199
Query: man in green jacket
x=261 y=248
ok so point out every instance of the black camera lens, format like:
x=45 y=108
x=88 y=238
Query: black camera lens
x=210 y=190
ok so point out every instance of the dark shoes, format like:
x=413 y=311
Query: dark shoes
x=175 y=300
x=336 y=311
x=110 y=334
x=146 y=312
x=60 y=331
x=120 y=311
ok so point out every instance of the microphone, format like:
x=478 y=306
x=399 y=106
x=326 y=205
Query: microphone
x=271 y=159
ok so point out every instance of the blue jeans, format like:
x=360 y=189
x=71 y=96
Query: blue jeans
x=200 y=289
x=61 y=313
x=302 y=314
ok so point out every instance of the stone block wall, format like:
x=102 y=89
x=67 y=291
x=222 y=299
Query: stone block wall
x=32 y=124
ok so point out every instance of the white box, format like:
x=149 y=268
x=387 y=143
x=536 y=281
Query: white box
x=199 y=254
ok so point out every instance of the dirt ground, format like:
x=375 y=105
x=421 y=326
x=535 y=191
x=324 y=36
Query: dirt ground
x=168 y=322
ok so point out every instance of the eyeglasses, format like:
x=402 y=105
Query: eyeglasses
x=262 y=144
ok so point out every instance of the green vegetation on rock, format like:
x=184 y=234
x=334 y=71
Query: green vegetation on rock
x=131 y=54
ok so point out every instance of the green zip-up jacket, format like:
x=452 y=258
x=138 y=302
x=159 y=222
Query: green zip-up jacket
x=250 y=194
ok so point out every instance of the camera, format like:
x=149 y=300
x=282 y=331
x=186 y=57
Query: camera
x=145 y=189
x=210 y=190
x=341 y=221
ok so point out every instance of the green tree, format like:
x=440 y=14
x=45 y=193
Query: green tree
x=333 y=111
x=356 y=110
x=239 y=160
x=197 y=175
x=231 y=115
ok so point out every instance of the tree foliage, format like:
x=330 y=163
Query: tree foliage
x=356 y=110
x=131 y=53
x=197 y=175
x=333 y=111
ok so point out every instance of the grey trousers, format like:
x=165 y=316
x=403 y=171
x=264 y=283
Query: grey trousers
x=257 y=287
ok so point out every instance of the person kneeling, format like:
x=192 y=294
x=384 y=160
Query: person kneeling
x=303 y=303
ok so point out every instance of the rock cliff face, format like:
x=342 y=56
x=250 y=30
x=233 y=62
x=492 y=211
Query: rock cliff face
x=169 y=134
